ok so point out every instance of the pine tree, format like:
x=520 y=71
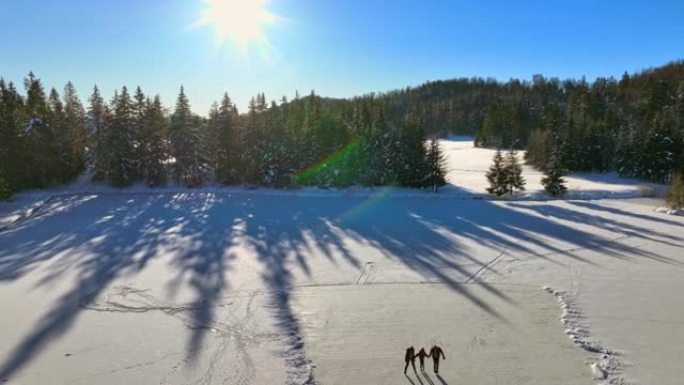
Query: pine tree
x=58 y=169
x=212 y=136
x=553 y=181
x=76 y=133
x=227 y=151
x=513 y=171
x=39 y=134
x=187 y=145
x=97 y=128
x=498 y=176
x=153 y=141
x=251 y=142
x=436 y=163
x=409 y=161
x=14 y=157
x=121 y=142
x=139 y=129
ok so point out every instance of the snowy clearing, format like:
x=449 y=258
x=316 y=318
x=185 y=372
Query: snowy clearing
x=238 y=286
x=467 y=164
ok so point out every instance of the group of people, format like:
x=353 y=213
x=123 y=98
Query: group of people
x=435 y=352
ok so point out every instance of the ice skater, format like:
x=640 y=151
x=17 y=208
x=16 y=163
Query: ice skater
x=421 y=357
x=410 y=357
x=435 y=353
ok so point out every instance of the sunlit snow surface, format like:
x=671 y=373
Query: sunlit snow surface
x=235 y=286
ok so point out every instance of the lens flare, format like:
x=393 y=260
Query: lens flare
x=239 y=21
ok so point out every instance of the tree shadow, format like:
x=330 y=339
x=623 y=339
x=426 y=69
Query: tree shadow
x=606 y=178
x=100 y=239
x=649 y=218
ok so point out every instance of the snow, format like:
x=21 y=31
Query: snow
x=315 y=286
x=607 y=364
x=670 y=211
x=467 y=165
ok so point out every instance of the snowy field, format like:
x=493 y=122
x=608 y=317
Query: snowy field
x=233 y=286
x=467 y=165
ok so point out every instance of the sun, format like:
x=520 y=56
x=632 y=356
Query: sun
x=240 y=21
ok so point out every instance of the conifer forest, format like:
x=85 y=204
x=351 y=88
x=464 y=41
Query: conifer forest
x=634 y=125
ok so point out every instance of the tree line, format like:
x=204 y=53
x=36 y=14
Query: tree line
x=47 y=139
x=633 y=125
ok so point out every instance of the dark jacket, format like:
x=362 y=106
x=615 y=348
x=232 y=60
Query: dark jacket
x=435 y=352
x=410 y=354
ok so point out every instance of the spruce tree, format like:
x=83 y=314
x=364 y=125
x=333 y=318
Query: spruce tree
x=39 y=134
x=513 y=171
x=436 y=163
x=227 y=150
x=14 y=157
x=155 y=152
x=139 y=129
x=251 y=142
x=97 y=128
x=212 y=136
x=58 y=170
x=497 y=176
x=188 y=147
x=75 y=125
x=553 y=181
x=121 y=142
x=410 y=161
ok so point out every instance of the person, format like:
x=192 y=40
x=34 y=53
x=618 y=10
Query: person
x=410 y=357
x=421 y=356
x=435 y=352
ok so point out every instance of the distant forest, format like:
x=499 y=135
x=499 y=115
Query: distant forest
x=634 y=125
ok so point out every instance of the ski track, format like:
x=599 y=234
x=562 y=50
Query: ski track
x=238 y=333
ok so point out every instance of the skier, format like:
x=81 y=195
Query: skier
x=435 y=352
x=410 y=357
x=421 y=356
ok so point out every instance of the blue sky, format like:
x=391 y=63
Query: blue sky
x=337 y=47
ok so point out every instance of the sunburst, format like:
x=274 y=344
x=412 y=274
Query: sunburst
x=242 y=22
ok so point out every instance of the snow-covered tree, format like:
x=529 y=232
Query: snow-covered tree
x=139 y=108
x=39 y=135
x=75 y=124
x=497 y=176
x=14 y=158
x=553 y=181
x=513 y=171
x=97 y=127
x=121 y=142
x=188 y=147
x=226 y=138
x=58 y=170
x=152 y=140
x=436 y=163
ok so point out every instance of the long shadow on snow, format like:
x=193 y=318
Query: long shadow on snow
x=119 y=244
x=428 y=236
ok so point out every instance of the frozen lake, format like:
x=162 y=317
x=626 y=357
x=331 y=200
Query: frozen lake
x=240 y=287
